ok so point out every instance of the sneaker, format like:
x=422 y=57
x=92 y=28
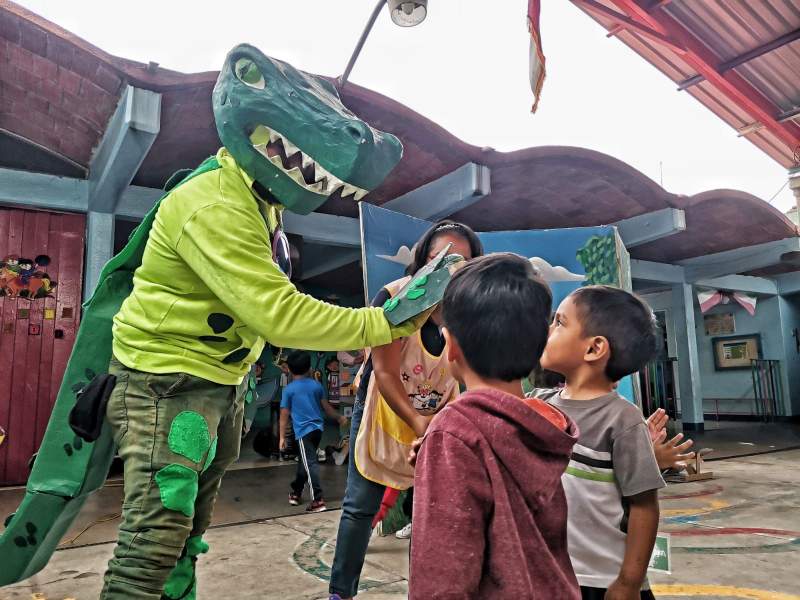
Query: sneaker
x=294 y=499
x=378 y=531
x=339 y=456
x=404 y=533
x=321 y=456
x=316 y=506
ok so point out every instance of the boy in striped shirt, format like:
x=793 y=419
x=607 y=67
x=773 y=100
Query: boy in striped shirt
x=599 y=335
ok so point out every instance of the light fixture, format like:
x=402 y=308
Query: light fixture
x=403 y=12
x=408 y=13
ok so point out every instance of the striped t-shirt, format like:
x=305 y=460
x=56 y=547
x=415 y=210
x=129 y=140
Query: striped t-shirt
x=612 y=460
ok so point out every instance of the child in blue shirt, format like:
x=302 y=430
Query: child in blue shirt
x=304 y=399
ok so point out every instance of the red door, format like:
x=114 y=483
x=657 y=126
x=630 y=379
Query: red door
x=41 y=266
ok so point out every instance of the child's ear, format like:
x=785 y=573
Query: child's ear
x=451 y=348
x=598 y=349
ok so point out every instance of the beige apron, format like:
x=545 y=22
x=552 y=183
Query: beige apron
x=384 y=440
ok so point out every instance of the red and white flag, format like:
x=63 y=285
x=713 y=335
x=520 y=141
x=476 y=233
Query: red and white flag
x=708 y=299
x=747 y=301
x=537 y=70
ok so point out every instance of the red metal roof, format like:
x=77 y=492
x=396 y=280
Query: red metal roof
x=740 y=58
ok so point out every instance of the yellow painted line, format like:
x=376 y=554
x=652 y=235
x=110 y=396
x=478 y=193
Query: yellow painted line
x=710 y=506
x=719 y=590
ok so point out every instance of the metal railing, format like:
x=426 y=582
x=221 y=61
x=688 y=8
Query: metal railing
x=658 y=387
x=767 y=388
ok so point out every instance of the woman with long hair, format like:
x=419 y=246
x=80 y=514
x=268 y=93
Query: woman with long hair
x=400 y=387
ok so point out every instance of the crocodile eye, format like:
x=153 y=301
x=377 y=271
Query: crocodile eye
x=249 y=74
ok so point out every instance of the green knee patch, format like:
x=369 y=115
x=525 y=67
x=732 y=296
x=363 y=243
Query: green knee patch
x=212 y=453
x=188 y=435
x=178 y=488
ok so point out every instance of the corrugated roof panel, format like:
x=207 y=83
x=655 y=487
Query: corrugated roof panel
x=730 y=29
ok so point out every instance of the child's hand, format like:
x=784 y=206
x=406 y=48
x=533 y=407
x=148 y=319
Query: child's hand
x=342 y=421
x=282 y=444
x=656 y=423
x=672 y=454
x=412 y=455
x=622 y=590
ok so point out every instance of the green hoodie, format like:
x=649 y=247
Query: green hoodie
x=208 y=294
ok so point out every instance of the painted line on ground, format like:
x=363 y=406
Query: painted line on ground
x=719 y=590
x=710 y=491
x=711 y=506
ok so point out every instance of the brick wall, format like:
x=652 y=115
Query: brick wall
x=51 y=92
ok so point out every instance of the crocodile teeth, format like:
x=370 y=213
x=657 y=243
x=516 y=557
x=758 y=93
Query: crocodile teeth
x=325 y=183
x=290 y=148
x=349 y=189
x=297 y=176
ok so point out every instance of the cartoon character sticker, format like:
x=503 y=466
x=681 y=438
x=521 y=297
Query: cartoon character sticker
x=25 y=278
x=426 y=399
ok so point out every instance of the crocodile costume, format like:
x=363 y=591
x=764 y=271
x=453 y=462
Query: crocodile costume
x=193 y=297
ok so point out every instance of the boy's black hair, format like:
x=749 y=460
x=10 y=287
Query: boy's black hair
x=625 y=320
x=299 y=362
x=497 y=308
x=423 y=246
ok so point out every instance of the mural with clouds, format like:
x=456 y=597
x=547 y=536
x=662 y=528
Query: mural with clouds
x=566 y=258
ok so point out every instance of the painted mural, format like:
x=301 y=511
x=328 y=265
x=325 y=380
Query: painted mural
x=565 y=258
x=25 y=277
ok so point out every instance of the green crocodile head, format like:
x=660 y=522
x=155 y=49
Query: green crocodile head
x=290 y=132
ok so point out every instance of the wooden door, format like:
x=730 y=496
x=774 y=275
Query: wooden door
x=41 y=267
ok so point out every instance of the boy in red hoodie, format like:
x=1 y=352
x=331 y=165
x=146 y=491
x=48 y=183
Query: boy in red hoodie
x=490 y=513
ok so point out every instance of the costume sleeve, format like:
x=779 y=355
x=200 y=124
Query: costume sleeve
x=452 y=503
x=229 y=249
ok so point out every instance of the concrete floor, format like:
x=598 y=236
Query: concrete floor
x=737 y=536
x=741 y=438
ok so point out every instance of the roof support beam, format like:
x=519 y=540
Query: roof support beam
x=321 y=228
x=741 y=283
x=702 y=60
x=651 y=226
x=447 y=195
x=786 y=38
x=645 y=270
x=38 y=190
x=741 y=260
x=126 y=141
